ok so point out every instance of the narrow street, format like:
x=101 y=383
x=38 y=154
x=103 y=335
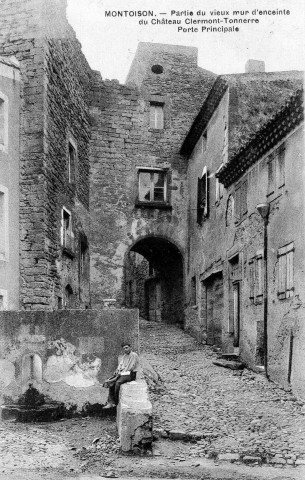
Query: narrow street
x=211 y=423
x=228 y=412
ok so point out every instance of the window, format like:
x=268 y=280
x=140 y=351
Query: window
x=3 y=121
x=256 y=279
x=193 y=291
x=241 y=205
x=67 y=237
x=71 y=164
x=152 y=186
x=156 y=115
x=276 y=170
x=285 y=273
x=4 y=233
x=202 y=196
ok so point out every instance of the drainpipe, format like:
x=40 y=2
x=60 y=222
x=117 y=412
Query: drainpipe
x=264 y=209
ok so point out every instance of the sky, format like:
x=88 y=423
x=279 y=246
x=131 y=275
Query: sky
x=109 y=43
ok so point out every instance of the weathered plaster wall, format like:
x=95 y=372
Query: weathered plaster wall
x=122 y=140
x=54 y=86
x=73 y=352
x=9 y=179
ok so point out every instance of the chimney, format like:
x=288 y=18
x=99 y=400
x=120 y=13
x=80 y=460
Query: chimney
x=255 y=66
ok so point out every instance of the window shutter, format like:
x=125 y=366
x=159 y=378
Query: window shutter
x=259 y=276
x=281 y=169
x=251 y=279
x=282 y=276
x=243 y=199
x=271 y=175
x=289 y=284
x=237 y=205
x=206 y=193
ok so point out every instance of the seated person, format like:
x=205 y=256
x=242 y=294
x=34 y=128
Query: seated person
x=126 y=372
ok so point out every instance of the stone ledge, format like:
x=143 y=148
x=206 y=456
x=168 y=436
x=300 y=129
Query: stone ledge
x=134 y=417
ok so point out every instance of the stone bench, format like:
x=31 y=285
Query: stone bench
x=134 y=417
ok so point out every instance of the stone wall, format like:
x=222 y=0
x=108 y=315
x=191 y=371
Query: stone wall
x=66 y=355
x=122 y=140
x=54 y=85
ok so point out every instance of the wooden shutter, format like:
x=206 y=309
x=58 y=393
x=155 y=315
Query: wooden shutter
x=282 y=276
x=251 y=279
x=280 y=170
x=289 y=279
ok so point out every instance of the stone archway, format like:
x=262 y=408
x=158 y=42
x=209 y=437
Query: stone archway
x=154 y=280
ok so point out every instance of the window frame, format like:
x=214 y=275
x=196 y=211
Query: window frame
x=152 y=202
x=154 y=125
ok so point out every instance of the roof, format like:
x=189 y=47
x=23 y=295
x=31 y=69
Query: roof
x=253 y=99
x=283 y=122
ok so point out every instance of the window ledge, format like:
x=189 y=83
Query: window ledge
x=157 y=205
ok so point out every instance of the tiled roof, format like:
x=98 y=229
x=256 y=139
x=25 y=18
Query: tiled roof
x=276 y=128
x=253 y=99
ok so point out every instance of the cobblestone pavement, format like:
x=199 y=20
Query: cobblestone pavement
x=233 y=415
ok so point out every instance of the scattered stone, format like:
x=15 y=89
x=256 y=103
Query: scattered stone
x=228 y=457
x=177 y=435
x=233 y=365
x=249 y=459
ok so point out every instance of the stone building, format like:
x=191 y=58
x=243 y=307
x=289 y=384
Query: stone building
x=226 y=306
x=54 y=154
x=143 y=192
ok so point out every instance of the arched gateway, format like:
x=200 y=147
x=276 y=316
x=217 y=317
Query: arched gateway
x=154 y=279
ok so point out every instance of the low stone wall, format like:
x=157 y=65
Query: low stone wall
x=134 y=417
x=65 y=354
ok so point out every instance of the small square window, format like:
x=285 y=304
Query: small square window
x=156 y=115
x=152 y=186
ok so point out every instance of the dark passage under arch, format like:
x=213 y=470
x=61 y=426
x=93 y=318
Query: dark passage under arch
x=154 y=280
